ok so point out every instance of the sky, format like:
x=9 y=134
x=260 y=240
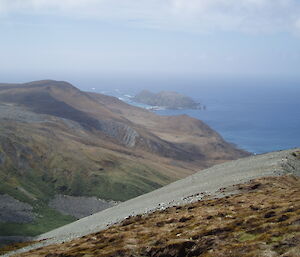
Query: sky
x=88 y=38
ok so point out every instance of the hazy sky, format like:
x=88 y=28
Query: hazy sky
x=51 y=38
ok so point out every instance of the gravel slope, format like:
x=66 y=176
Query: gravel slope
x=203 y=183
x=12 y=210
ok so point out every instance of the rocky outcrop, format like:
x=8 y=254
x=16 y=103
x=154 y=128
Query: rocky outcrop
x=119 y=131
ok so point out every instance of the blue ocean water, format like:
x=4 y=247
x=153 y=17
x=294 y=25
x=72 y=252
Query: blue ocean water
x=257 y=128
x=258 y=116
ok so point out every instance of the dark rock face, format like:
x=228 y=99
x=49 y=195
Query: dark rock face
x=170 y=100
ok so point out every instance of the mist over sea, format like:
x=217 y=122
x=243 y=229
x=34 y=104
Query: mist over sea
x=259 y=115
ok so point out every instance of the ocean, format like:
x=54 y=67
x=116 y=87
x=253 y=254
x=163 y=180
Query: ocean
x=256 y=115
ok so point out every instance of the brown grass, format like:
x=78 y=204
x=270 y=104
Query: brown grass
x=262 y=220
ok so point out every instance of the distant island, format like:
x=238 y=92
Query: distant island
x=166 y=99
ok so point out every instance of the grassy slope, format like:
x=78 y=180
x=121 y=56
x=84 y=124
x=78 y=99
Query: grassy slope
x=58 y=163
x=54 y=163
x=261 y=220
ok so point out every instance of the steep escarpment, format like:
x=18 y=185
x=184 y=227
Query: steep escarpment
x=58 y=140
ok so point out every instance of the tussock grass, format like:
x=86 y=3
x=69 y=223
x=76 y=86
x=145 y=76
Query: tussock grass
x=263 y=218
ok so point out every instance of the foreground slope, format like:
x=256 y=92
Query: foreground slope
x=205 y=184
x=56 y=140
x=262 y=219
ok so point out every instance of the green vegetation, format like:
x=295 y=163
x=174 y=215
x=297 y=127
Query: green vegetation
x=48 y=219
x=126 y=182
x=90 y=172
x=53 y=168
x=64 y=172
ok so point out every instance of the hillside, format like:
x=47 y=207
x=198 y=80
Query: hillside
x=56 y=140
x=166 y=99
x=222 y=227
x=252 y=210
